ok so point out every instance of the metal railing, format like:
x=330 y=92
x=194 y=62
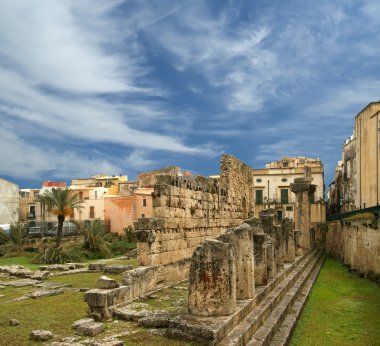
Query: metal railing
x=337 y=217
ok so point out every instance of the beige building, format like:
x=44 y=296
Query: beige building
x=358 y=185
x=9 y=202
x=272 y=187
x=92 y=191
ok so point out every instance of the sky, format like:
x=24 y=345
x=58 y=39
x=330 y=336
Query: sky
x=122 y=86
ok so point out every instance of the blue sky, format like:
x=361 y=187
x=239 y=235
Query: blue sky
x=115 y=86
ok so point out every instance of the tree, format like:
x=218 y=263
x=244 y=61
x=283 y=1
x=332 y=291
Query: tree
x=61 y=202
x=11 y=243
x=94 y=236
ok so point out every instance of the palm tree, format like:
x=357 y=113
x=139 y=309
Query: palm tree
x=61 y=202
x=93 y=233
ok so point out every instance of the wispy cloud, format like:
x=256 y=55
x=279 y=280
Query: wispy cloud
x=61 y=73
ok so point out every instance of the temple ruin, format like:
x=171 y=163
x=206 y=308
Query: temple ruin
x=204 y=231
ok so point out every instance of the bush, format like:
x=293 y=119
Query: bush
x=130 y=234
x=95 y=239
x=53 y=255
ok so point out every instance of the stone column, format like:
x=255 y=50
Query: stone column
x=267 y=217
x=212 y=280
x=241 y=239
x=287 y=227
x=303 y=188
x=260 y=254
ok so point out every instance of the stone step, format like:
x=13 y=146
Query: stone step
x=257 y=317
x=214 y=330
x=284 y=333
x=266 y=332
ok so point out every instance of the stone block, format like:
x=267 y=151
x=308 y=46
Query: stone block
x=41 y=335
x=116 y=268
x=212 y=280
x=99 y=266
x=104 y=282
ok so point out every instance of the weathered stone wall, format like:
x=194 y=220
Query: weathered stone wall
x=148 y=179
x=356 y=244
x=187 y=211
x=190 y=209
x=136 y=283
x=237 y=178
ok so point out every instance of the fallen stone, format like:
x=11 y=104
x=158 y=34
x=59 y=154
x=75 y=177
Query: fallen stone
x=76 y=265
x=59 y=343
x=20 y=283
x=52 y=285
x=155 y=320
x=96 y=266
x=22 y=273
x=90 y=328
x=70 y=339
x=130 y=315
x=1 y=287
x=14 y=322
x=44 y=293
x=78 y=323
x=105 y=282
x=41 y=335
x=107 y=342
x=84 y=289
x=116 y=268
x=40 y=275
x=2 y=295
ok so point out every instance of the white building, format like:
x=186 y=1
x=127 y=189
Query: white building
x=9 y=202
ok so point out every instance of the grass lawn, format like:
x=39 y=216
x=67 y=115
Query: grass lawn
x=342 y=309
x=55 y=313
x=21 y=260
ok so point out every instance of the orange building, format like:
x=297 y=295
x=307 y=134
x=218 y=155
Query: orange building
x=125 y=211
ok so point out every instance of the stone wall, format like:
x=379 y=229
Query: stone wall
x=136 y=283
x=237 y=178
x=9 y=202
x=148 y=179
x=356 y=244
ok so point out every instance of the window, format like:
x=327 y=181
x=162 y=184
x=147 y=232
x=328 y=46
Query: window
x=36 y=194
x=289 y=208
x=284 y=180
x=258 y=180
x=32 y=212
x=259 y=196
x=144 y=202
x=98 y=184
x=312 y=198
x=284 y=196
x=92 y=212
x=143 y=216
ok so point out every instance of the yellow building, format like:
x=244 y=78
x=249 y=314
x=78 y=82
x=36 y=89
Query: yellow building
x=358 y=187
x=272 y=187
x=92 y=191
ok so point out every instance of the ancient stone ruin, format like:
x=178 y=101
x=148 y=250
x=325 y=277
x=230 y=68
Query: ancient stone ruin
x=204 y=231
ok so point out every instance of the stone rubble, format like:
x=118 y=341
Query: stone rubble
x=104 y=282
x=41 y=335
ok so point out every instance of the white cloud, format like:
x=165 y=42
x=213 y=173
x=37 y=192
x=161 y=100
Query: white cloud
x=58 y=57
x=20 y=159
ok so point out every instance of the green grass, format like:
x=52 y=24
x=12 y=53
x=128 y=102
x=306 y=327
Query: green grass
x=20 y=260
x=55 y=313
x=83 y=280
x=342 y=309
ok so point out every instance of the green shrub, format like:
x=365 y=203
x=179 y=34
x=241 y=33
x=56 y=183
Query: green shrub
x=95 y=239
x=130 y=234
x=53 y=255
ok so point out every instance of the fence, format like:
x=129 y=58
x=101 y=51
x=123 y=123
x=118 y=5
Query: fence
x=49 y=229
x=341 y=216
